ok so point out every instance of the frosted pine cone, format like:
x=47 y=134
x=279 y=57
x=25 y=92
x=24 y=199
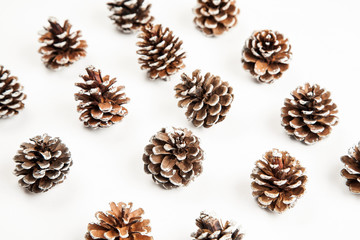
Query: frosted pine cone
x=61 y=47
x=351 y=170
x=214 y=17
x=130 y=15
x=161 y=52
x=101 y=103
x=279 y=181
x=11 y=94
x=42 y=164
x=207 y=99
x=310 y=115
x=266 y=55
x=211 y=228
x=173 y=157
x=121 y=222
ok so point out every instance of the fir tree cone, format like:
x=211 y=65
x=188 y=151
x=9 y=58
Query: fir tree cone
x=130 y=15
x=266 y=55
x=160 y=52
x=211 y=228
x=61 y=47
x=101 y=103
x=310 y=115
x=214 y=17
x=351 y=171
x=11 y=94
x=121 y=222
x=173 y=157
x=207 y=99
x=42 y=163
x=279 y=181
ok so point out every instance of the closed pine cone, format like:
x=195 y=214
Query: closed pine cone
x=101 y=103
x=130 y=15
x=279 y=181
x=173 y=157
x=11 y=94
x=119 y=223
x=42 y=163
x=207 y=99
x=211 y=228
x=161 y=52
x=61 y=47
x=214 y=17
x=351 y=170
x=266 y=55
x=310 y=115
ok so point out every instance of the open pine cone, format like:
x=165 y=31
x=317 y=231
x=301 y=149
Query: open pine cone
x=351 y=170
x=161 y=53
x=214 y=17
x=266 y=55
x=279 y=181
x=61 y=47
x=207 y=99
x=42 y=163
x=130 y=15
x=310 y=115
x=119 y=223
x=211 y=228
x=173 y=157
x=101 y=103
x=11 y=94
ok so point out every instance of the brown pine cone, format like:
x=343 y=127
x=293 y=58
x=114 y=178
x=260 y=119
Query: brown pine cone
x=309 y=116
x=351 y=170
x=214 y=17
x=279 y=181
x=101 y=103
x=211 y=228
x=61 y=47
x=207 y=99
x=119 y=223
x=42 y=163
x=130 y=15
x=266 y=55
x=161 y=53
x=11 y=94
x=173 y=157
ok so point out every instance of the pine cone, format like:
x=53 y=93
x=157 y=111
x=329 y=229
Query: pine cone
x=11 y=94
x=266 y=55
x=352 y=169
x=62 y=47
x=214 y=17
x=279 y=181
x=119 y=223
x=161 y=53
x=207 y=99
x=101 y=104
x=212 y=228
x=173 y=157
x=42 y=163
x=130 y=15
x=310 y=115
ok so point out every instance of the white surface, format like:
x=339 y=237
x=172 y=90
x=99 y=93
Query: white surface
x=108 y=162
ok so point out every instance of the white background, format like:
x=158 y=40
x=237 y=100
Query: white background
x=108 y=162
